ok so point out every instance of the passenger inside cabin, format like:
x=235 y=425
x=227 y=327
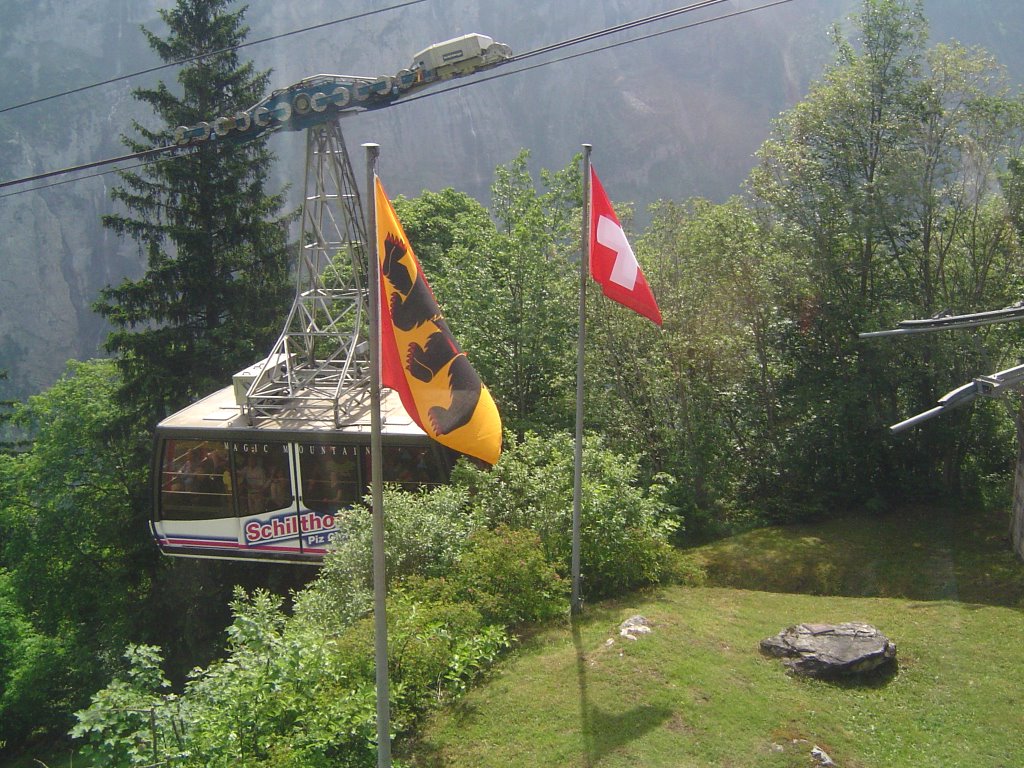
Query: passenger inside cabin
x=329 y=482
x=186 y=472
x=214 y=467
x=411 y=467
x=255 y=485
x=280 y=491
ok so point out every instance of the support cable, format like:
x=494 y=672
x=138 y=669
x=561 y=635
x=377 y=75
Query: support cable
x=218 y=52
x=148 y=154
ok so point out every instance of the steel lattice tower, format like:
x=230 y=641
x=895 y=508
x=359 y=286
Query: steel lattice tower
x=319 y=366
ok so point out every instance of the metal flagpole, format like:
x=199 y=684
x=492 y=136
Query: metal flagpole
x=380 y=618
x=576 y=604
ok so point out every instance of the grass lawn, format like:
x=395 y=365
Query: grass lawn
x=696 y=691
x=925 y=553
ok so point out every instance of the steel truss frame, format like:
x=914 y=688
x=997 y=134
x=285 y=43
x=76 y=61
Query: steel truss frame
x=319 y=368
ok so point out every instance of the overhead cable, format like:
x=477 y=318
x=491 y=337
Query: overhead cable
x=148 y=154
x=190 y=59
x=506 y=73
x=619 y=28
x=76 y=178
x=144 y=154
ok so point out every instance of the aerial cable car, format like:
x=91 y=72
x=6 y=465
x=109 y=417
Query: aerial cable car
x=226 y=489
x=261 y=469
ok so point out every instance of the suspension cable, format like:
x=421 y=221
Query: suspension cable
x=149 y=154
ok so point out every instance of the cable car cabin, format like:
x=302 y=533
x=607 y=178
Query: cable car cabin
x=224 y=489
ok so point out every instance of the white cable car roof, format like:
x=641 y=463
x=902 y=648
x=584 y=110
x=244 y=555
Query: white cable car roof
x=219 y=412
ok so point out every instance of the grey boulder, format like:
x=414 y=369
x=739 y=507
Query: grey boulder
x=831 y=650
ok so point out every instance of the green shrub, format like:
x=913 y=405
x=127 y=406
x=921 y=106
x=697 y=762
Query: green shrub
x=623 y=529
x=438 y=645
x=506 y=575
x=286 y=694
x=424 y=533
x=130 y=721
x=277 y=698
x=685 y=568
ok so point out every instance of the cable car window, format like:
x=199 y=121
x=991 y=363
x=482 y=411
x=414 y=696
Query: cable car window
x=413 y=467
x=263 y=477
x=195 y=480
x=330 y=476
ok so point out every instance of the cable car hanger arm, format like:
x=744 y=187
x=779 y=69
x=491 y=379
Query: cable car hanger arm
x=993 y=385
x=983 y=386
x=944 y=321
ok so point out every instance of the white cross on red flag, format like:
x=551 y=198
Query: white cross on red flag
x=613 y=264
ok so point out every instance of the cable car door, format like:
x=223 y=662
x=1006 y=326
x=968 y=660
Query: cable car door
x=329 y=480
x=268 y=516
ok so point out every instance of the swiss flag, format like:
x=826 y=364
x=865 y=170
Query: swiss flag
x=612 y=261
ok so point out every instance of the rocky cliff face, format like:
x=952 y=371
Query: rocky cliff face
x=54 y=255
x=674 y=116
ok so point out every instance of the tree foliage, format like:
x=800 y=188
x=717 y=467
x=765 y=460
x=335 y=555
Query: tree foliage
x=505 y=279
x=887 y=173
x=214 y=294
x=75 y=560
x=81 y=572
x=889 y=192
x=506 y=285
x=700 y=399
x=624 y=526
x=215 y=289
x=11 y=439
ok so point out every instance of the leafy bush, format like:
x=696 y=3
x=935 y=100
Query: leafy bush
x=286 y=694
x=424 y=533
x=505 y=574
x=437 y=645
x=623 y=529
x=124 y=723
x=276 y=699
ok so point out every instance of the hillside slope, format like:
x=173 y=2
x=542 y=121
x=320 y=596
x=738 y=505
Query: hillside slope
x=697 y=692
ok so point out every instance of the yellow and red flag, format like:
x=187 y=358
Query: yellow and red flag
x=420 y=358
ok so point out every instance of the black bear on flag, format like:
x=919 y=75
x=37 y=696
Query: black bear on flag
x=420 y=358
x=412 y=305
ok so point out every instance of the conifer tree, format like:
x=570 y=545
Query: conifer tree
x=215 y=289
x=6 y=444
